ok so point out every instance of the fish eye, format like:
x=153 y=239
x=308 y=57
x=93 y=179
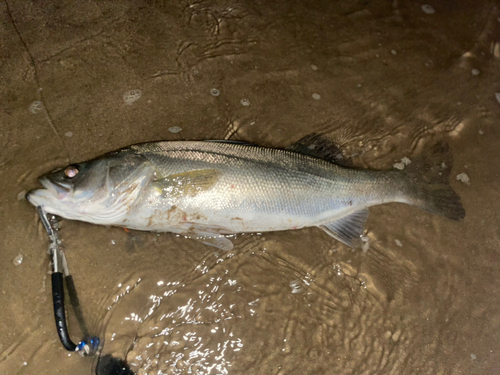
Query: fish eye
x=71 y=171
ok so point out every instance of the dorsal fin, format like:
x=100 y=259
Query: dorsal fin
x=319 y=146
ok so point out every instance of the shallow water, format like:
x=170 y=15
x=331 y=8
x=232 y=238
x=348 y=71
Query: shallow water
x=385 y=81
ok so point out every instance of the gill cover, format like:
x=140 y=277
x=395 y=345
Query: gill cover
x=115 y=188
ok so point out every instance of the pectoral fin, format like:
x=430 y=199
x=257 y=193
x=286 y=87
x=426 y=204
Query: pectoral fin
x=187 y=183
x=348 y=229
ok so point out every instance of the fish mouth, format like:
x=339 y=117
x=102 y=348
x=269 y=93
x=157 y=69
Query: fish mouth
x=53 y=191
x=58 y=189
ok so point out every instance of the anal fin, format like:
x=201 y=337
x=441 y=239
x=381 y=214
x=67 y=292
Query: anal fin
x=348 y=229
x=210 y=235
x=219 y=242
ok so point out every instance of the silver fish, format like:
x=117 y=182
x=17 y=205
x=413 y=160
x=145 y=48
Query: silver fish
x=208 y=189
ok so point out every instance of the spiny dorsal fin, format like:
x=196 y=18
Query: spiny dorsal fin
x=187 y=183
x=348 y=229
x=319 y=146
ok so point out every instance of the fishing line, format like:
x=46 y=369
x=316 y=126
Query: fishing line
x=37 y=80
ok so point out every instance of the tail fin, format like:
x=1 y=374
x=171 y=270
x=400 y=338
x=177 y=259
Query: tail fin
x=439 y=199
x=431 y=190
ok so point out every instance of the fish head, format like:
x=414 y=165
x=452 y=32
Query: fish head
x=72 y=189
x=98 y=191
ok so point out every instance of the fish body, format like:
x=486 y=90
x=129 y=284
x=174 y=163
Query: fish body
x=206 y=190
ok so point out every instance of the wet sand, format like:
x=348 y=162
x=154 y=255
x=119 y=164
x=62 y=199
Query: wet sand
x=385 y=81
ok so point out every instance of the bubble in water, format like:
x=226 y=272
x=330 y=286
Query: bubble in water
x=314 y=67
x=132 y=96
x=366 y=244
x=18 y=260
x=496 y=49
x=428 y=9
x=475 y=72
x=35 y=106
x=402 y=164
x=245 y=102
x=68 y=134
x=175 y=129
x=394 y=52
x=463 y=178
x=296 y=287
x=396 y=335
x=214 y=92
x=21 y=195
x=316 y=96
x=399 y=166
x=405 y=161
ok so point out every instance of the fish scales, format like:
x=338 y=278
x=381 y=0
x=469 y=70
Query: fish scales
x=254 y=177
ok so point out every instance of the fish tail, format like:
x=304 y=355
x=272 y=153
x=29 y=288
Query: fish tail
x=430 y=189
x=440 y=199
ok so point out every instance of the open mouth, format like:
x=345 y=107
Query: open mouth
x=51 y=190
x=50 y=196
x=56 y=188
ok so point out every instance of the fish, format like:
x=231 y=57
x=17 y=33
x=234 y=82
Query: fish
x=209 y=190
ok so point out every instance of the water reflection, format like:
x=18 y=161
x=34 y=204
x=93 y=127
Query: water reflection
x=182 y=326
